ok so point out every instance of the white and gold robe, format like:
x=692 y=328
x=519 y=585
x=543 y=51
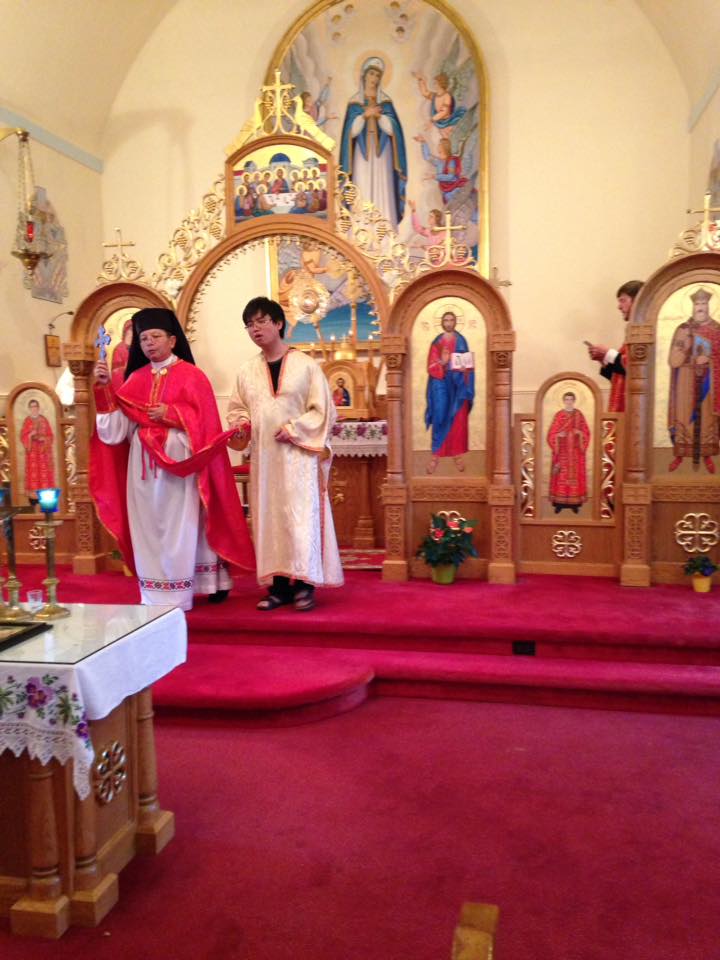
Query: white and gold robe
x=290 y=508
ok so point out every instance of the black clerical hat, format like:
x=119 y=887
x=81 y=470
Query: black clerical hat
x=156 y=318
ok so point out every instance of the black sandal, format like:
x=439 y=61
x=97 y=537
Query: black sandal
x=304 y=600
x=271 y=602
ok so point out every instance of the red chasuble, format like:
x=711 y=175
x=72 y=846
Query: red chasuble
x=191 y=407
x=568 y=478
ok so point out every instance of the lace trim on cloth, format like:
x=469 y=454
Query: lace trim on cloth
x=42 y=715
x=47 y=745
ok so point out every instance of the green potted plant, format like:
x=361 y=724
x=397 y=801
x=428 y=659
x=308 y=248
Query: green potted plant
x=447 y=544
x=700 y=568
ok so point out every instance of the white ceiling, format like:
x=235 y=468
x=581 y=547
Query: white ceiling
x=63 y=61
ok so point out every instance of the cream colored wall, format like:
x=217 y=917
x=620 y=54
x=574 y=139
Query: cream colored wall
x=74 y=191
x=703 y=135
x=589 y=150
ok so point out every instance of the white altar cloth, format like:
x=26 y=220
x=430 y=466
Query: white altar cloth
x=52 y=684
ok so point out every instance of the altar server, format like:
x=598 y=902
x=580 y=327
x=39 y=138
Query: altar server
x=283 y=400
x=160 y=473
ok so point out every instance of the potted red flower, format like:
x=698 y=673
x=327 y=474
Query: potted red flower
x=447 y=544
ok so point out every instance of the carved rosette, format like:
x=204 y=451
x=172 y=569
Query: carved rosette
x=567 y=544
x=697 y=533
x=110 y=772
x=608 y=451
x=527 y=468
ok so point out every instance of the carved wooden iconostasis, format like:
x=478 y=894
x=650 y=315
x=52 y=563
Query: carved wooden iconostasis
x=671 y=493
x=383 y=286
x=287 y=219
x=449 y=336
x=568 y=457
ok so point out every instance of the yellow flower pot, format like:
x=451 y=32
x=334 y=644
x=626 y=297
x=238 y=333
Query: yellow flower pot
x=444 y=573
x=701 y=584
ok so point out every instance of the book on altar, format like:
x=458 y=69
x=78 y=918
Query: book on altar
x=462 y=361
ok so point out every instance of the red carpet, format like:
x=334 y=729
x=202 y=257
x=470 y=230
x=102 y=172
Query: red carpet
x=596 y=833
x=648 y=649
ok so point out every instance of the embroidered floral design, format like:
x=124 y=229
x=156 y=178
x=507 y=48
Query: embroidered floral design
x=207 y=567
x=167 y=585
x=43 y=698
x=360 y=431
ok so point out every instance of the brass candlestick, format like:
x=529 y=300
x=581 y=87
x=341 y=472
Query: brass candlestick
x=49 y=500
x=12 y=610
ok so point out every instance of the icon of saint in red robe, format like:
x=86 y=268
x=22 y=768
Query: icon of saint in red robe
x=37 y=437
x=568 y=437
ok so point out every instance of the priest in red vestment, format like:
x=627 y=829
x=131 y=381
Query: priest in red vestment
x=568 y=437
x=613 y=363
x=160 y=473
x=37 y=437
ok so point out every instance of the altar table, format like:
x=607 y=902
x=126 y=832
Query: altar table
x=78 y=781
x=359 y=466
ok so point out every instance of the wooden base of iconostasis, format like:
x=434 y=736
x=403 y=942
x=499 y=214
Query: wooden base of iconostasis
x=29 y=534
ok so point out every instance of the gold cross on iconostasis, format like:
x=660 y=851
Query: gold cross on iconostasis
x=276 y=101
x=120 y=266
x=119 y=243
x=450 y=250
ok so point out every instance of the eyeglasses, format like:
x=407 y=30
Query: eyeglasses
x=257 y=322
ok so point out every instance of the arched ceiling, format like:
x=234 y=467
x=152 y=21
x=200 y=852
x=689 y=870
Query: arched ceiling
x=63 y=63
x=690 y=29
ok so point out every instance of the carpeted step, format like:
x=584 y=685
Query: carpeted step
x=266 y=680
x=226 y=677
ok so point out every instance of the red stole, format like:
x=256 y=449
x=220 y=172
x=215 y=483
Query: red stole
x=191 y=407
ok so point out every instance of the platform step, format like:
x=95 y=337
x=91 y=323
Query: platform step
x=258 y=679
